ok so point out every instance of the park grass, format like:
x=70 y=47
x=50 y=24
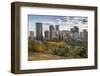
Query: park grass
x=42 y=56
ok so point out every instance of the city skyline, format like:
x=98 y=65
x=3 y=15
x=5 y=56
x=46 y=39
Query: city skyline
x=57 y=35
x=64 y=22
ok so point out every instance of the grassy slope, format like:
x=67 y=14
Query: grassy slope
x=42 y=56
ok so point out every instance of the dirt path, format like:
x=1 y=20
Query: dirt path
x=42 y=56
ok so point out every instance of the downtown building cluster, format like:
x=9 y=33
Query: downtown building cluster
x=55 y=34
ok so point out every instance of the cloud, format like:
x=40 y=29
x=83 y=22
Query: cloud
x=73 y=20
x=49 y=23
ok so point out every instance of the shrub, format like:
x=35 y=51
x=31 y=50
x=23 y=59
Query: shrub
x=36 y=46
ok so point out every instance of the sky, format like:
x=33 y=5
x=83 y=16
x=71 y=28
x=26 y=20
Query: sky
x=64 y=22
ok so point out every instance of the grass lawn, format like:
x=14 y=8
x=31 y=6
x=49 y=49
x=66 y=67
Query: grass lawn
x=42 y=56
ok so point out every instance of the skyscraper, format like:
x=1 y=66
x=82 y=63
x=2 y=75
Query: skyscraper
x=39 y=31
x=51 y=29
x=57 y=27
x=76 y=35
x=54 y=33
x=57 y=32
x=85 y=34
x=31 y=34
x=60 y=35
x=47 y=35
x=76 y=29
x=75 y=32
x=72 y=30
x=81 y=35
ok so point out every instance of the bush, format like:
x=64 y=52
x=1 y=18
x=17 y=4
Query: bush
x=36 y=46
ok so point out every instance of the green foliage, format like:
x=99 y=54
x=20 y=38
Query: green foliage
x=58 y=48
x=36 y=46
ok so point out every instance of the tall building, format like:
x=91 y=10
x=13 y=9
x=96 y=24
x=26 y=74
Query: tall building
x=60 y=35
x=39 y=31
x=47 y=35
x=76 y=35
x=31 y=34
x=57 y=32
x=72 y=30
x=81 y=35
x=76 y=29
x=85 y=34
x=65 y=36
x=75 y=32
x=70 y=35
x=54 y=33
x=57 y=27
x=51 y=29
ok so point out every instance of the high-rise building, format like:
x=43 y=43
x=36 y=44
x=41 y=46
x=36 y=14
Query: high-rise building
x=84 y=35
x=54 y=33
x=60 y=35
x=81 y=35
x=51 y=29
x=31 y=34
x=39 y=31
x=76 y=29
x=47 y=35
x=64 y=34
x=57 y=27
x=72 y=30
x=75 y=32
x=57 y=32
x=75 y=35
